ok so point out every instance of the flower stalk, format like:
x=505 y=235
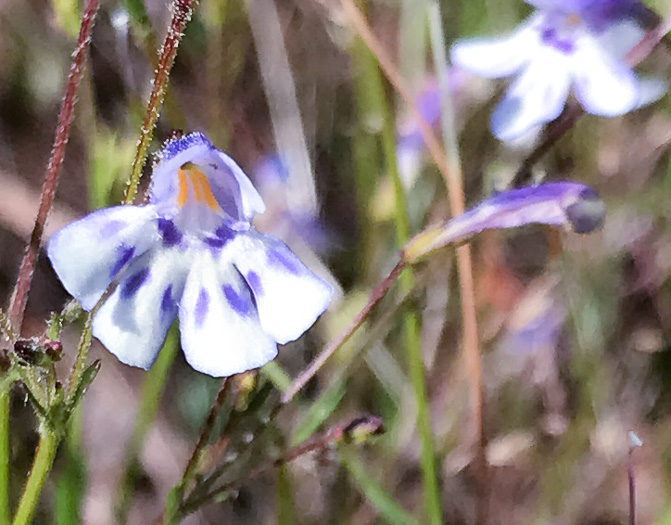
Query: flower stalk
x=182 y=12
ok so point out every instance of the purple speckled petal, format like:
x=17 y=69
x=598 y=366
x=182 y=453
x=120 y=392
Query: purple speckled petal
x=170 y=234
x=229 y=339
x=289 y=297
x=239 y=300
x=134 y=320
x=87 y=254
x=133 y=283
x=567 y=204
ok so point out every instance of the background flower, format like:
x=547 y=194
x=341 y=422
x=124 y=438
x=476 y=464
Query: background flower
x=563 y=45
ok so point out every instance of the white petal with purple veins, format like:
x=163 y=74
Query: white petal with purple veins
x=497 y=57
x=536 y=97
x=289 y=297
x=89 y=253
x=220 y=329
x=133 y=322
x=603 y=85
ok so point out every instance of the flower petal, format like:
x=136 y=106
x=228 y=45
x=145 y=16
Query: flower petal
x=571 y=205
x=220 y=328
x=603 y=85
x=288 y=295
x=497 y=57
x=231 y=188
x=619 y=38
x=251 y=201
x=538 y=96
x=132 y=323
x=89 y=253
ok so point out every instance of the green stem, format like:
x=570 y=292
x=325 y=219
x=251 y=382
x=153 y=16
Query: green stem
x=411 y=332
x=44 y=457
x=5 y=398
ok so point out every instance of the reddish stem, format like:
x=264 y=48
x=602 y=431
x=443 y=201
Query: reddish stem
x=319 y=361
x=17 y=305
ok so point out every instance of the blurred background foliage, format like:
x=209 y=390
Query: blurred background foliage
x=575 y=331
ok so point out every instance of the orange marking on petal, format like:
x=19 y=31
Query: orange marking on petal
x=199 y=179
x=183 y=190
x=197 y=188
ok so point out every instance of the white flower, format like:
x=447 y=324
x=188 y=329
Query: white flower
x=190 y=252
x=579 y=44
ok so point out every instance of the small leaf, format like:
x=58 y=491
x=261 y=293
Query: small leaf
x=571 y=205
x=85 y=381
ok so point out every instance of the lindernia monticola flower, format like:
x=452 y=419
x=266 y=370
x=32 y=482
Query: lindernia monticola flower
x=565 y=43
x=189 y=252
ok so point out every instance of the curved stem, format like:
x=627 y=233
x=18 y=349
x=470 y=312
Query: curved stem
x=319 y=361
x=44 y=457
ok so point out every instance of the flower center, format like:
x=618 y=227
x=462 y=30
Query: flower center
x=573 y=19
x=191 y=180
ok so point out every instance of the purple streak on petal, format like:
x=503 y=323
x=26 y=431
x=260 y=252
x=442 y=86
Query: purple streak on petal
x=563 y=45
x=125 y=254
x=169 y=232
x=133 y=284
x=214 y=242
x=241 y=304
x=112 y=228
x=225 y=233
x=281 y=260
x=167 y=303
x=254 y=282
x=202 y=307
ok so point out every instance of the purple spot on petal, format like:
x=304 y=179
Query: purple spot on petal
x=239 y=303
x=225 y=233
x=133 y=284
x=202 y=307
x=169 y=232
x=166 y=301
x=550 y=37
x=254 y=283
x=125 y=254
x=283 y=261
x=214 y=242
x=111 y=228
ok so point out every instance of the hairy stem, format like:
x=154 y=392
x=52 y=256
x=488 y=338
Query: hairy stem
x=182 y=11
x=19 y=298
x=17 y=305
